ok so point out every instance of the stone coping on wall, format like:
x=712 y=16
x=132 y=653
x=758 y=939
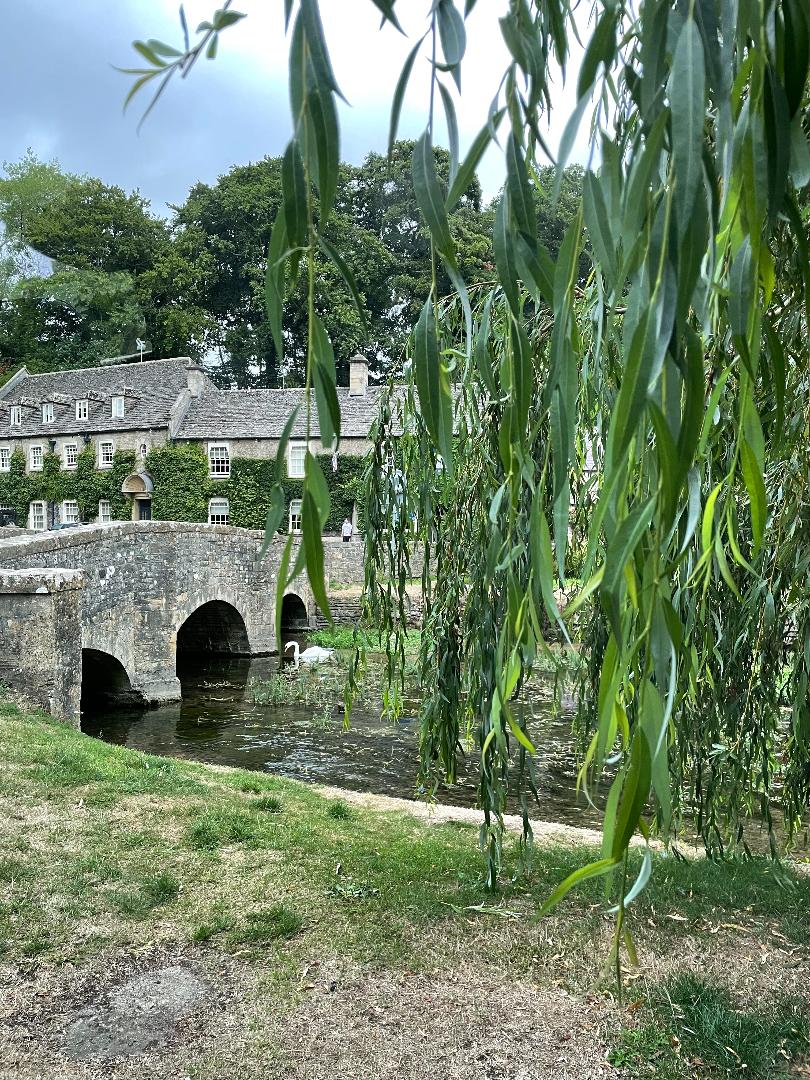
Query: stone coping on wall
x=59 y=539
x=30 y=582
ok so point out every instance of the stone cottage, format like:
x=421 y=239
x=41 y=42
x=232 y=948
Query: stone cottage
x=106 y=418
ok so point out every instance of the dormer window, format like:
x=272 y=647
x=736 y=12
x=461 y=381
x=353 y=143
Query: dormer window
x=15 y=417
x=117 y=408
x=82 y=409
x=47 y=412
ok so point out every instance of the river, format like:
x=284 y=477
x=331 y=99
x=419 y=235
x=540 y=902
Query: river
x=219 y=722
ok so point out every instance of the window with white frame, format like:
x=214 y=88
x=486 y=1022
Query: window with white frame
x=69 y=514
x=5 y=458
x=106 y=451
x=218 y=511
x=219 y=459
x=35 y=458
x=70 y=455
x=36 y=516
x=296 y=459
x=47 y=412
x=143 y=450
x=117 y=407
x=104 y=511
x=15 y=415
x=82 y=409
x=295 y=515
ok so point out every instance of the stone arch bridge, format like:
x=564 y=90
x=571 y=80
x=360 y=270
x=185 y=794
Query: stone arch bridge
x=126 y=596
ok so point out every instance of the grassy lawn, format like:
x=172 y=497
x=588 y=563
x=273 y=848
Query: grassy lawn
x=105 y=852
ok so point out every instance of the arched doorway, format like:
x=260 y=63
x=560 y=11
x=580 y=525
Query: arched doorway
x=105 y=683
x=294 y=613
x=139 y=487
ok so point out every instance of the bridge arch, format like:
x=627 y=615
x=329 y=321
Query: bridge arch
x=294 y=613
x=105 y=682
x=214 y=628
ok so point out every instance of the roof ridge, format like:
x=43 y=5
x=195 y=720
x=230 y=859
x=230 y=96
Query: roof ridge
x=105 y=367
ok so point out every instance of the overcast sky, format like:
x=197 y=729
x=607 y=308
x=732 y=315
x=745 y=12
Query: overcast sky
x=63 y=98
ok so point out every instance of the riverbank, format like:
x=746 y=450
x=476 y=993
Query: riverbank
x=163 y=918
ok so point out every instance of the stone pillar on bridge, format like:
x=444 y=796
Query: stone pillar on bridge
x=41 y=638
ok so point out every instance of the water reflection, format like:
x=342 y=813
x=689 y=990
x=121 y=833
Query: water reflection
x=218 y=722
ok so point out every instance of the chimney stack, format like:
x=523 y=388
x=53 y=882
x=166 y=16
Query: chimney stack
x=195 y=379
x=358 y=376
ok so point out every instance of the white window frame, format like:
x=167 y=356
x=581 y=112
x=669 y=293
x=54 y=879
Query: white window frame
x=224 y=462
x=102 y=464
x=69 y=516
x=75 y=448
x=82 y=408
x=15 y=416
x=31 y=466
x=294 y=521
x=117 y=408
x=143 y=450
x=41 y=507
x=5 y=459
x=221 y=518
x=296 y=445
x=104 y=511
x=47 y=412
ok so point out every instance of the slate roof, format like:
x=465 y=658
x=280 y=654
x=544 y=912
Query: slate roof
x=150 y=389
x=262 y=414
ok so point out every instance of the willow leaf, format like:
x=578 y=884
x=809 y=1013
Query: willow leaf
x=755 y=486
x=584 y=873
x=452 y=130
x=466 y=170
x=687 y=93
x=311 y=517
x=399 y=94
x=619 y=551
x=429 y=196
x=294 y=189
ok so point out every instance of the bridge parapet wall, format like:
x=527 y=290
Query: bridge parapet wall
x=41 y=637
x=142 y=581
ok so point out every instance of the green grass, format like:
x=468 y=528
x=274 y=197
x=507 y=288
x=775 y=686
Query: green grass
x=101 y=846
x=344 y=637
x=339 y=810
x=692 y=1029
x=270 y=924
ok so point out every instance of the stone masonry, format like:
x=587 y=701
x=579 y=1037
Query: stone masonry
x=41 y=637
x=142 y=581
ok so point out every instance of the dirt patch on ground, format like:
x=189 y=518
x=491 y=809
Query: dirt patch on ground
x=120 y=1015
x=197 y=1013
x=465 y=1025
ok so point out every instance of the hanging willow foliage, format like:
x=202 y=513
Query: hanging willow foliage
x=649 y=424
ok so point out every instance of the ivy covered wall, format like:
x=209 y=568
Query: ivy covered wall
x=86 y=484
x=183 y=486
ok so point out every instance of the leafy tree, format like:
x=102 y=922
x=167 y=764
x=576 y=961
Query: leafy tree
x=101 y=241
x=69 y=319
x=668 y=393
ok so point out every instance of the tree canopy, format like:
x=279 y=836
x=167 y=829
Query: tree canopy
x=195 y=284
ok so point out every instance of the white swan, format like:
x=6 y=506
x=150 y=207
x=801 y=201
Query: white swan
x=313 y=655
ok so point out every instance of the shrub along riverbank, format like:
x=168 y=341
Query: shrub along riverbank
x=317 y=920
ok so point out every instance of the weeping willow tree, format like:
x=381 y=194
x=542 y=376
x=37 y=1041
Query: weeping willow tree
x=647 y=425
